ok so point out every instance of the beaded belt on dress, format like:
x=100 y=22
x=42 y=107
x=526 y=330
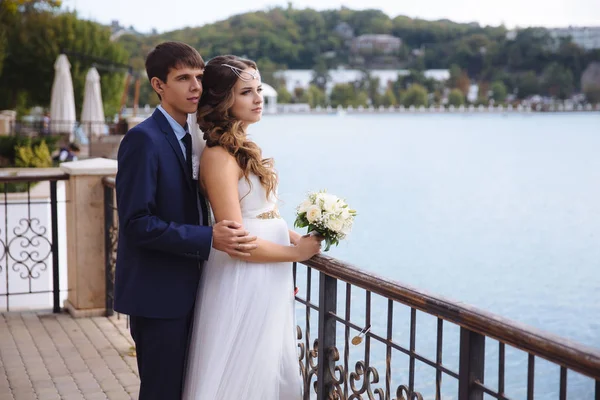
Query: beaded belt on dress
x=269 y=214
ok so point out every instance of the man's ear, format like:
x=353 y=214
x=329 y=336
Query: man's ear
x=157 y=85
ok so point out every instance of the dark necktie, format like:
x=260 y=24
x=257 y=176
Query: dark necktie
x=187 y=140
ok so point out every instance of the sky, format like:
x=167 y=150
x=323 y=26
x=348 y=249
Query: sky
x=168 y=15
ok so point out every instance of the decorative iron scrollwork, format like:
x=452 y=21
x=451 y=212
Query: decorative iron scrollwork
x=369 y=376
x=338 y=375
x=308 y=370
x=113 y=234
x=404 y=393
x=313 y=364
x=302 y=353
x=29 y=249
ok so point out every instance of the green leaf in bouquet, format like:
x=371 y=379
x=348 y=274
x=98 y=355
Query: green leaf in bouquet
x=328 y=243
x=301 y=221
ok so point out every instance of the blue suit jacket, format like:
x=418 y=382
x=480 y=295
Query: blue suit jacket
x=161 y=242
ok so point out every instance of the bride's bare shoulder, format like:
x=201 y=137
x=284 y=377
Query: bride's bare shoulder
x=216 y=155
x=218 y=162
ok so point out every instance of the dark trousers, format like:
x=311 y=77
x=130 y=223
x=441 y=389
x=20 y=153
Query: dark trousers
x=161 y=348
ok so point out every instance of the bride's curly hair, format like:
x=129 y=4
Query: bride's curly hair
x=223 y=129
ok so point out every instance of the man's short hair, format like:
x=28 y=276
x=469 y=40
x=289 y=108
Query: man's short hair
x=169 y=55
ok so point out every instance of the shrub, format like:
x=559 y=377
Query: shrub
x=30 y=156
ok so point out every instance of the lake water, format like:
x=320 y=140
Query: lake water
x=498 y=211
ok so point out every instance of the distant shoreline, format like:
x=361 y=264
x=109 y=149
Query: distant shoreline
x=435 y=110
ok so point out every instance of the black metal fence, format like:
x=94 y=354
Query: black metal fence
x=29 y=240
x=363 y=351
x=367 y=347
x=79 y=129
x=111 y=238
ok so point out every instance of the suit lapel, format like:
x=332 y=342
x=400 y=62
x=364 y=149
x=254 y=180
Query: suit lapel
x=162 y=122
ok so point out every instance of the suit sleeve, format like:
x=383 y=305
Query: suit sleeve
x=136 y=186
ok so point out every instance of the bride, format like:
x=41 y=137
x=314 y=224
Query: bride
x=243 y=341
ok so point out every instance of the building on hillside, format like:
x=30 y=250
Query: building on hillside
x=117 y=30
x=586 y=37
x=376 y=44
x=302 y=78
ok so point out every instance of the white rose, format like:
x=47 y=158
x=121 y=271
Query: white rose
x=330 y=202
x=335 y=224
x=313 y=214
x=302 y=208
x=320 y=197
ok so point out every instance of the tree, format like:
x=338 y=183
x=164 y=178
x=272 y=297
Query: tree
x=456 y=98
x=483 y=92
x=590 y=82
x=416 y=77
x=464 y=83
x=305 y=39
x=316 y=97
x=572 y=57
x=389 y=98
x=35 y=41
x=9 y=12
x=300 y=95
x=498 y=92
x=557 y=81
x=459 y=80
x=527 y=85
x=369 y=84
x=29 y=5
x=508 y=79
x=471 y=53
x=268 y=71
x=283 y=95
x=320 y=75
x=530 y=50
x=346 y=94
x=416 y=96
x=455 y=74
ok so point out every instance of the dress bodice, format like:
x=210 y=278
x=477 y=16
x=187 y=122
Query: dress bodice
x=253 y=197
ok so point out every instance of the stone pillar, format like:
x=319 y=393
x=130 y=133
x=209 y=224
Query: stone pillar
x=85 y=235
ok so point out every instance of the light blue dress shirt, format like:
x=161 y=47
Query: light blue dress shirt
x=179 y=130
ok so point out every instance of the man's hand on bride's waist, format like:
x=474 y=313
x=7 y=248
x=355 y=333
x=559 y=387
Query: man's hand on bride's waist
x=231 y=238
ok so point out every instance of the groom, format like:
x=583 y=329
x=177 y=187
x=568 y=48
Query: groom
x=163 y=232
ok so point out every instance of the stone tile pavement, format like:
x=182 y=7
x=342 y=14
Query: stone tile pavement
x=47 y=356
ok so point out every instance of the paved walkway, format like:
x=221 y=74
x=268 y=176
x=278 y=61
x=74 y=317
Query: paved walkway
x=48 y=356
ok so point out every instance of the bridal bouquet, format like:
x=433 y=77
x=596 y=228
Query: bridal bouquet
x=327 y=215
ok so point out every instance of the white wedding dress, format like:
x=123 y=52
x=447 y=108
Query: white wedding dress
x=243 y=344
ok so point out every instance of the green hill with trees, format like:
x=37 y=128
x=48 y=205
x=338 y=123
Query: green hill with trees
x=33 y=32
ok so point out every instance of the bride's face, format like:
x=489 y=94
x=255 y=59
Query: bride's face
x=248 y=100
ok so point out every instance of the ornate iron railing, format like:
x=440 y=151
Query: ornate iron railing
x=325 y=361
x=388 y=369
x=29 y=250
x=111 y=238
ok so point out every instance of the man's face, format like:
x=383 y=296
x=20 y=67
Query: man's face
x=181 y=92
